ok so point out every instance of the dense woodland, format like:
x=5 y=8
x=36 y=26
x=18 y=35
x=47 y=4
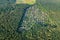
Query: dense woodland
x=10 y=16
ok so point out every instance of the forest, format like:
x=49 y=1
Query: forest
x=12 y=14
